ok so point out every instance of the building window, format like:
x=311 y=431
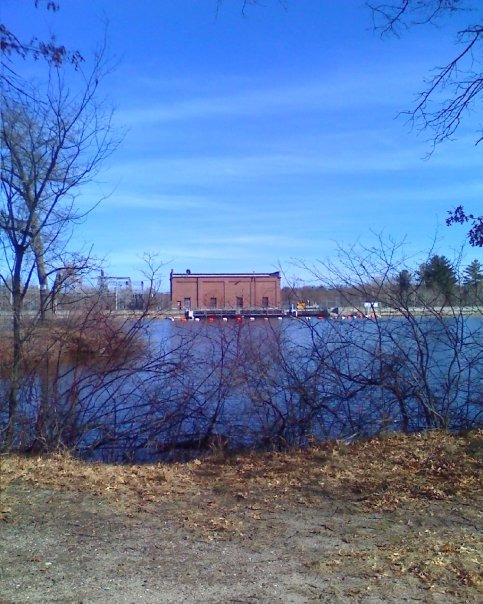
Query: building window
x=187 y=303
x=239 y=302
x=212 y=302
x=265 y=301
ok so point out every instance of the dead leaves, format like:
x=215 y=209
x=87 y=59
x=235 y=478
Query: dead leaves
x=450 y=563
x=244 y=497
x=378 y=474
x=409 y=469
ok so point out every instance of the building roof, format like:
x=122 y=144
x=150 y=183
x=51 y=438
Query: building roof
x=190 y=274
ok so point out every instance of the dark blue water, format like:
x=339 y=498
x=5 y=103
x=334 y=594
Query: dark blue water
x=263 y=384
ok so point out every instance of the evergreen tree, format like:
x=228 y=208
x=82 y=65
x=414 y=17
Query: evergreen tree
x=439 y=275
x=404 y=280
x=403 y=283
x=473 y=274
x=473 y=281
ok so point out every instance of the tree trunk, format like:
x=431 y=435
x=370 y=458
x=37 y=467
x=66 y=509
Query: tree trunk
x=38 y=248
x=15 y=372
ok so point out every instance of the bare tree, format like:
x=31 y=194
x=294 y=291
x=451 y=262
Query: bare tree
x=459 y=79
x=53 y=140
x=420 y=363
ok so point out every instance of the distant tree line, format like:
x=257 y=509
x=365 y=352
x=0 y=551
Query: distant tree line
x=437 y=280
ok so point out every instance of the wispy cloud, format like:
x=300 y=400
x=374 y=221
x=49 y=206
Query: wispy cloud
x=217 y=170
x=174 y=202
x=334 y=91
x=261 y=239
x=426 y=192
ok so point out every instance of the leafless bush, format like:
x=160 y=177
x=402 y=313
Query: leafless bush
x=141 y=387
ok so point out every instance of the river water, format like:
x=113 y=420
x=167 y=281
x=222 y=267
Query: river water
x=267 y=383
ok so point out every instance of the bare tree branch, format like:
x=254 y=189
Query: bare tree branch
x=458 y=82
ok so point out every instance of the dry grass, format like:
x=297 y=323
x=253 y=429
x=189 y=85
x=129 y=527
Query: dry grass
x=382 y=474
x=222 y=497
x=451 y=564
x=81 y=339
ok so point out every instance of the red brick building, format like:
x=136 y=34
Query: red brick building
x=224 y=290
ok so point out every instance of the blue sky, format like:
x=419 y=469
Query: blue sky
x=262 y=140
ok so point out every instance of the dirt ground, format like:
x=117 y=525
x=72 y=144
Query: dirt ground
x=312 y=526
